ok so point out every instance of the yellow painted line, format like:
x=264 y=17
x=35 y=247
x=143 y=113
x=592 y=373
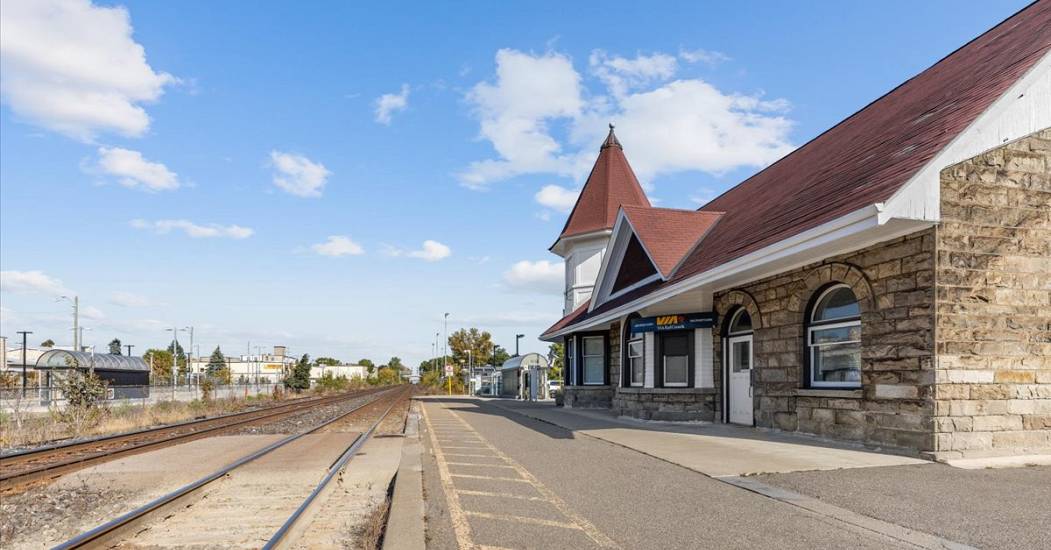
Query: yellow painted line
x=499 y=495
x=461 y=528
x=587 y=527
x=492 y=478
x=470 y=454
x=476 y=464
x=524 y=519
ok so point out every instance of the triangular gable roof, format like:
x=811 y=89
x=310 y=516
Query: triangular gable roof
x=612 y=183
x=668 y=234
x=868 y=157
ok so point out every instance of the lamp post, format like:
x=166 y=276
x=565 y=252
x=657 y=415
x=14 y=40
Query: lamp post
x=129 y=346
x=517 y=338
x=24 y=334
x=175 y=356
x=75 y=300
x=189 y=356
x=470 y=373
x=445 y=344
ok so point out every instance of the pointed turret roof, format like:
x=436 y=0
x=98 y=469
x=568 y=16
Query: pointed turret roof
x=612 y=184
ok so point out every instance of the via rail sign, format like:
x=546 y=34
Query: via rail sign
x=676 y=321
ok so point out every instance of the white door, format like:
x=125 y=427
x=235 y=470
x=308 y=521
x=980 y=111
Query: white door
x=739 y=357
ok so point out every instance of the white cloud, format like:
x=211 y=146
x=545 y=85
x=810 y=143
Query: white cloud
x=667 y=126
x=128 y=299
x=388 y=104
x=338 y=245
x=73 y=67
x=515 y=110
x=196 y=231
x=557 y=197
x=91 y=312
x=298 y=175
x=708 y=57
x=431 y=251
x=31 y=282
x=621 y=74
x=132 y=170
x=540 y=276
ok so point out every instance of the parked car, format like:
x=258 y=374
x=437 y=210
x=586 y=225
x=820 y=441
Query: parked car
x=554 y=385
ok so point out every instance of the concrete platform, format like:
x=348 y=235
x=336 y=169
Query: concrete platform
x=716 y=450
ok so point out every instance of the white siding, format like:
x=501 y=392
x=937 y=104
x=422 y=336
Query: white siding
x=704 y=372
x=649 y=352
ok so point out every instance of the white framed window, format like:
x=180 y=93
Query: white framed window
x=675 y=359
x=636 y=362
x=834 y=339
x=594 y=358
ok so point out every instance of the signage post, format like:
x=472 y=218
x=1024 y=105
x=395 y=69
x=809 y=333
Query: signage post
x=449 y=376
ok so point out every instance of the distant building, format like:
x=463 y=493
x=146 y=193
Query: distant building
x=349 y=371
x=266 y=368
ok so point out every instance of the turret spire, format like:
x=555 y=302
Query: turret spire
x=611 y=139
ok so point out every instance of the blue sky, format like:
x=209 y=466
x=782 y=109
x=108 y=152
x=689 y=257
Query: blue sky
x=333 y=177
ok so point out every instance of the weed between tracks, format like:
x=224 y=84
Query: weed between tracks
x=371 y=531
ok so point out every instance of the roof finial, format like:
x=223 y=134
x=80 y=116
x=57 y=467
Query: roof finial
x=611 y=139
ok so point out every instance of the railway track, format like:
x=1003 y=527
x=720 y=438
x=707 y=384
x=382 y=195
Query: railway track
x=25 y=468
x=264 y=507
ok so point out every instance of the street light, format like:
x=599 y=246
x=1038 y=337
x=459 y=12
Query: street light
x=517 y=338
x=445 y=344
x=24 y=334
x=75 y=300
x=175 y=357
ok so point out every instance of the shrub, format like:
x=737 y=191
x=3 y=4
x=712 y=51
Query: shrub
x=83 y=393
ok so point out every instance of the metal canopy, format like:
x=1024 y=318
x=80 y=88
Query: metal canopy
x=60 y=358
x=525 y=361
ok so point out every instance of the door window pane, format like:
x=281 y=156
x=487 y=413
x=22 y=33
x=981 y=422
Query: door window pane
x=676 y=370
x=741 y=354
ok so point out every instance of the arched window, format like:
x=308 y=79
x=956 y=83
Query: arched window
x=833 y=335
x=740 y=323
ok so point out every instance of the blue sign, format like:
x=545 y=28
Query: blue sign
x=678 y=321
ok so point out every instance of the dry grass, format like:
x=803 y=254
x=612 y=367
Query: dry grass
x=37 y=429
x=371 y=531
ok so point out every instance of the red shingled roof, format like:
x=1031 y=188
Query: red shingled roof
x=668 y=234
x=611 y=184
x=866 y=158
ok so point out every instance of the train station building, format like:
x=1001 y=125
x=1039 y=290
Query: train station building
x=888 y=282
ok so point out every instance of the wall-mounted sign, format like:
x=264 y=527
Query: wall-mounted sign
x=678 y=321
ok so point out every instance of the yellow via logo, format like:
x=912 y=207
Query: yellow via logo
x=669 y=320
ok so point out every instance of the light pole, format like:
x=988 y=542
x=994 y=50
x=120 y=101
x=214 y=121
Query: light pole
x=175 y=356
x=129 y=346
x=76 y=319
x=517 y=338
x=24 y=334
x=445 y=344
x=189 y=356
x=470 y=373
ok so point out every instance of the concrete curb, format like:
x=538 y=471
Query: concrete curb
x=405 y=523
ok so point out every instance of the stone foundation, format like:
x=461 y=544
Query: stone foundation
x=666 y=403
x=588 y=397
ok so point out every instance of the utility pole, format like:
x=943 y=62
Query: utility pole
x=129 y=346
x=24 y=334
x=517 y=338
x=445 y=345
x=189 y=357
x=76 y=319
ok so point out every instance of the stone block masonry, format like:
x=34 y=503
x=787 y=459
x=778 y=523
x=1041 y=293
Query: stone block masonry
x=993 y=302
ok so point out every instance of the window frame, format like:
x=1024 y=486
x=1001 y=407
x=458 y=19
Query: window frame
x=605 y=359
x=641 y=340
x=569 y=375
x=691 y=352
x=811 y=326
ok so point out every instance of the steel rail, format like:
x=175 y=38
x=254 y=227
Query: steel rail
x=10 y=480
x=279 y=537
x=104 y=438
x=112 y=527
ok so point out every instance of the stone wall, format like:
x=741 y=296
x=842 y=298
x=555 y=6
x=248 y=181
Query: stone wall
x=588 y=397
x=994 y=303
x=666 y=403
x=894 y=285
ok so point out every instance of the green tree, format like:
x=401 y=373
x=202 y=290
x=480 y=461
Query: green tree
x=217 y=368
x=501 y=356
x=478 y=342
x=366 y=363
x=298 y=377
x=387 y=376
x=49 y=343
x=327 y=361
x=395 y=363
x=161 y=362
x=557 y=354
x=114 y=346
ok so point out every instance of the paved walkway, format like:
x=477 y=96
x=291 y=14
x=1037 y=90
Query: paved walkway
x=716 y=450
x=497 y=479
